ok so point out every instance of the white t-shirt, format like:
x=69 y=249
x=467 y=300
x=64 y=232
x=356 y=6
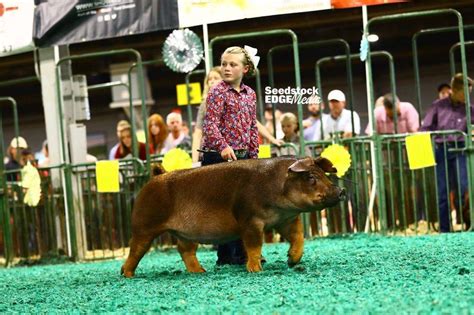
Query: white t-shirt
x=342 y=124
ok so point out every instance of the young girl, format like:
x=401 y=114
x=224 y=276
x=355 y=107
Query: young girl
x=157 y=133
x=230 y=127
x=125 y=147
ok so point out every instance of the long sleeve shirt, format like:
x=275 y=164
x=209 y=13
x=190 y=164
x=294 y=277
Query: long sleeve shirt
x=444 y=115
x=231 y=119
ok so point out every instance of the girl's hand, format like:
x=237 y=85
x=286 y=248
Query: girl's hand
x=228 y=154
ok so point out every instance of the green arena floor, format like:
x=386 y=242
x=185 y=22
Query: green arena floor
x=356 y=274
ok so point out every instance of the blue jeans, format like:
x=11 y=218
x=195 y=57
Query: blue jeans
x=453 y=161
x=233 y=252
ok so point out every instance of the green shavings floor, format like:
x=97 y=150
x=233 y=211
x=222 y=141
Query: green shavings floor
x=355 y=274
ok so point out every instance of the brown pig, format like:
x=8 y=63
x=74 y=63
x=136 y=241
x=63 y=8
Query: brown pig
x=223 y=202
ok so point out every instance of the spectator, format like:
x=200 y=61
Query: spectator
x=449 y=113
x=120 y=126
x=312 y=124
x=176 y=136
x=125 y=149
x=339 y=121
x=290 y=127
x=157 y=134
x=17 y=145
x=269 y=121
x=407 y=117
x=230 y=127
x=444 y=90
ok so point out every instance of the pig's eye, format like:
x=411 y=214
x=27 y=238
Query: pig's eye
x=311 y=179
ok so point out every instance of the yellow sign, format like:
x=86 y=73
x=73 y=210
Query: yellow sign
x=194 y=93
x=420 y=151
x=107 y=176
x=264 y=151
x=339 y=157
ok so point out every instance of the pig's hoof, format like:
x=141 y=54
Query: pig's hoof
x=197 y=270
x=126 y=273
x=292 y=263
x=254 y=267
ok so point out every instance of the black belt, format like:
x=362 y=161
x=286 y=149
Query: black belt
x=239 y=153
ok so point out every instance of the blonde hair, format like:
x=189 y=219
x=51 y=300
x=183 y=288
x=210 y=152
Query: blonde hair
x=206 y=80
x=457 y=82
x=157 y=141
x=289 y=118
x=246 y=60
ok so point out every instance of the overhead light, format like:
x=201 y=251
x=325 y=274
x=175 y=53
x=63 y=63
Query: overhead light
x=373 y=38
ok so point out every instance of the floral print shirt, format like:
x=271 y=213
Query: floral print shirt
x=231 y=119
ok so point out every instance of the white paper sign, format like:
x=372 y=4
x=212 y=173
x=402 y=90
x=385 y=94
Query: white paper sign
x=16 y=26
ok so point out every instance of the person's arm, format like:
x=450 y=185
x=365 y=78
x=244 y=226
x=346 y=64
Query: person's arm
x=430 y=122
x=197 y=137
x=267 y=135
x=215 y=109
x=413 y=119
x=253 y=145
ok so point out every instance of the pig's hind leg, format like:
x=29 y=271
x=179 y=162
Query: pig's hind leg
x=187 y=250
x=293 y=232
x=139 y=245
x=252 y=236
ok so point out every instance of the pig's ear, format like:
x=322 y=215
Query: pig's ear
x=303 y=165
x=325 y=165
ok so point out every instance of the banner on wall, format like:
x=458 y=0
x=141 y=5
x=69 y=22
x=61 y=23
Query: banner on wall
x=74 y=21
x=340 y=4
x=192 y=13
x=16 y=26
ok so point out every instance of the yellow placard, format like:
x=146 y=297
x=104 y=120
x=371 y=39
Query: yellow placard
x=140 y=135
x=420 y=151
x=107 y=176
x=194 y=93
x=264 y=151
x=339 y=157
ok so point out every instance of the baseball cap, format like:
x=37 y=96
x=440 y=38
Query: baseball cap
x=123 y=124
x=336 y=95
x=21 y=143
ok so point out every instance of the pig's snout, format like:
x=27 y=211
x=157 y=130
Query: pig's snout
x=342 y=194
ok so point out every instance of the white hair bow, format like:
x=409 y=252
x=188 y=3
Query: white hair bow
x=253 y=55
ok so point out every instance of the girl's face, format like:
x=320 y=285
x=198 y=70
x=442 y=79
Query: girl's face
x=213 y=78
x=288 y=128
x=233 y=68
x=154 y=128
x=126 y=138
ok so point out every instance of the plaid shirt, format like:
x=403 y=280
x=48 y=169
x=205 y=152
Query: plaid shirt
x=231 y=119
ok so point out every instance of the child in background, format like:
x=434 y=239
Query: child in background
x=290 y=128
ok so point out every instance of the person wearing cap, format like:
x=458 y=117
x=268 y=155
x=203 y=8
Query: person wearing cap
x=17 y=145
x=312 y=124
x=339 y=120
x=449 y=113
x=407 y=117
x=121 y=125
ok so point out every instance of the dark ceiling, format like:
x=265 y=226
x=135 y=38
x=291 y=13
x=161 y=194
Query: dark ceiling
x=395 y=37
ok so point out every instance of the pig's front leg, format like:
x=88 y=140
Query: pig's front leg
x=252 y=237
x=187 y=250
x=293 y=232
